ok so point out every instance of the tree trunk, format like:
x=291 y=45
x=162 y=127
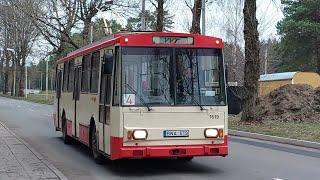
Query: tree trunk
x=318 y=56
x=86 y=32
x=1 y=70
x=160 y=16
x=6 y=74
x=22 y=77
x=196 y=14
x=14 y=77
x=252 y=61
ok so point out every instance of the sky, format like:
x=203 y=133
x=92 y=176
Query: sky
x=268 y=14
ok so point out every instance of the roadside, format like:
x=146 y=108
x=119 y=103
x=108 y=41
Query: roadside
x=291 y=111
x=19 y=161
x=37 y=98
x=302 y=130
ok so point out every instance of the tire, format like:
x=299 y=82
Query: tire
x=97 y=156
x=185 y=159
x=66 y=139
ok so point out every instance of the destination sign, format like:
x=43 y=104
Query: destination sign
x=173 y=40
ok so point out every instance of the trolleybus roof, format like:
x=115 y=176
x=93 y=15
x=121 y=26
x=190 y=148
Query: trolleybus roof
x=144 y=39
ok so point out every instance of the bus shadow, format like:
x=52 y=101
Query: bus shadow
x=148 y=167
x=78 y=146
x=143 y=167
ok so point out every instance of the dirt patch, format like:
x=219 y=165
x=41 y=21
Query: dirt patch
x=297 y=102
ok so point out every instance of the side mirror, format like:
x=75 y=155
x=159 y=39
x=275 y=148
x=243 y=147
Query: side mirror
x=226 y=74
x=108 y=64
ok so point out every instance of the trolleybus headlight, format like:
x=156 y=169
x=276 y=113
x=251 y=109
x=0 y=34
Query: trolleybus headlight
x=139 y=134
x=211 y=133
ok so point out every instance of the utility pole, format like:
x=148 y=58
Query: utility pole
x=26 y=80
x=203 y=29
x=47 y=69
x=41 y=82
x=14 y=76
x=266 y=61
x=143 y=16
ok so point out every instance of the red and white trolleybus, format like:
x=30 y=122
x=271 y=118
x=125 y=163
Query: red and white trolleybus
x=145 y=95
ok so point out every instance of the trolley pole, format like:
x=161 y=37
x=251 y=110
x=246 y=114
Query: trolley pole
x=203 y=13
x=91 y=33
x=143 y=16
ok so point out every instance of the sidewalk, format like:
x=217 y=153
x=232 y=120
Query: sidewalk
x=18 y=161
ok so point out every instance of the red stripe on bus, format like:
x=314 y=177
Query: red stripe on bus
x=69 y=128
x=118 y=151
x=84 y=134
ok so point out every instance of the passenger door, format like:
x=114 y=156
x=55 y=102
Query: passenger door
x=105 y=101
x=76 y=95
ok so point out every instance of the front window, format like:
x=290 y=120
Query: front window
x=172 y=76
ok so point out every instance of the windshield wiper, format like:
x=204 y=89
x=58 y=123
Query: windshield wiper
x=196 y=102
x=140 y=97
x=193 y=99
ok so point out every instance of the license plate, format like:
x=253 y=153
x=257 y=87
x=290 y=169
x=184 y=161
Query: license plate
x=176 y=133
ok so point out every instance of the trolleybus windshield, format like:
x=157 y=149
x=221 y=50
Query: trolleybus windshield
x=172 y=76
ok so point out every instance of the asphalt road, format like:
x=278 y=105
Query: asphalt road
x=248 y=159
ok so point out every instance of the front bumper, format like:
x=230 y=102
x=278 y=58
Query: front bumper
x=121 y=152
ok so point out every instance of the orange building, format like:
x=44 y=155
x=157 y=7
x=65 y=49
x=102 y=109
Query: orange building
x=269 y=82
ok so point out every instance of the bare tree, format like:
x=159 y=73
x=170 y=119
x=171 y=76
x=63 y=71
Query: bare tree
x=5 y=16
x=55 y=19
x=232 y=25
x=252 y=61
x=159 y=5
x=89 y=9
x=19 y=37
x=196 y=15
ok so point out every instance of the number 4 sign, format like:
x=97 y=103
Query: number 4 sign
x=129 y=99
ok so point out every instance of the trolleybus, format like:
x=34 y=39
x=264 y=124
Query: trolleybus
x=144 y=95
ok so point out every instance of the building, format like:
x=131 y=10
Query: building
x=269 y=82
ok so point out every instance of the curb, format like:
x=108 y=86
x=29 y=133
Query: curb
x=302 y=143
x=57 y=172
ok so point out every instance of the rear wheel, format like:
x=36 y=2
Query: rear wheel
x=97 y=156
x=66 y=139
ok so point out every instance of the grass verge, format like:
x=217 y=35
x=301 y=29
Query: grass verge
x=309 y=131
x=37 y=98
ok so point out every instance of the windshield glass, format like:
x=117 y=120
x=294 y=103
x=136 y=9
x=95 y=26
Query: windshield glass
x=172 y=76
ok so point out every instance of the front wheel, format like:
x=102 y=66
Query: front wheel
x=97 y=156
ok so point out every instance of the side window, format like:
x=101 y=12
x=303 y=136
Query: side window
x=85 y=81
x=65 y=76
x=115 y=79
x=71 y=76
x=95 y=61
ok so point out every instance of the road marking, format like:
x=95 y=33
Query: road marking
x=277 y=179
